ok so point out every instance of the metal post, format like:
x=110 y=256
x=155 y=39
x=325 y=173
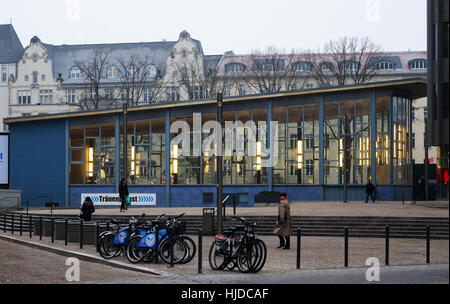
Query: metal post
x=4 y=222
x=387 y=245
x=53 y=230
x=346 y=248
x=345 y=159
x=30 y=219
x=12 y=223
x=81 y=234
x=172 y=242
x=299 y=245
x=21 y=223
x=40 y=228
x=219 y=163
x=428 y=243
x=157 y=244
x=125 y=143
x=200 y=250
x=66 y=226
x=97 y=233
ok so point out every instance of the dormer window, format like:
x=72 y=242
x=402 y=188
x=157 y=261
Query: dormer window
x=417 y=64
x=302 y=66
x=385 y=65
x=112 y=72
x=75 y=73
x=234 y=67
x=350 y=66
x=325 y=66
x=151 y=71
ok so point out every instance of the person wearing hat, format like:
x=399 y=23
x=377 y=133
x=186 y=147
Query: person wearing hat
x=87 y=209
x=283 y=227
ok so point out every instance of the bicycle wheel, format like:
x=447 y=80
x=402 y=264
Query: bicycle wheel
x=217 y=257
x=180 y=250
x=247 y=256
x=106 y=249
x=132 y=252
x=262 y=256
x=191 y=247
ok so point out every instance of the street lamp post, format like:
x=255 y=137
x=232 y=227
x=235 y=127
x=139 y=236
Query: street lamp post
x=219 y=163
x=125 y=144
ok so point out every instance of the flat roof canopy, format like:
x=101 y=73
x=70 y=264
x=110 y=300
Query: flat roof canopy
x=414 y=88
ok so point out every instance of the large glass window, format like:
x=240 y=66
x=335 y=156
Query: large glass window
x=401 y=140
x=92 y=155
x=383 y=141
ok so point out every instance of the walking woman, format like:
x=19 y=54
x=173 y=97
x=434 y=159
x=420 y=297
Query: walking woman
x=284 y=225
x=87 y=209
x=123 y=193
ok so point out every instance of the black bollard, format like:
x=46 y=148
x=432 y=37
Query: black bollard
x=30 y=221
x=172 y=243
x=299 y=245
x=200 y=250
x=53 y=230
x=387 y=246
x=346 y=248
x=428 y=243
x=40 y=228
x=66 y=226
x=81 y=234
x=4 y=222
x=21 y=223
x=157 y=245
x=12 y=223
x=97 y=232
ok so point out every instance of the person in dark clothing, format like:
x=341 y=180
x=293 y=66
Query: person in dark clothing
x=87 y=209
x=123 y=193
x=370 y=192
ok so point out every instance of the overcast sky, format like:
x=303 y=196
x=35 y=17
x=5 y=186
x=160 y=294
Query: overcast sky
x=238 y=25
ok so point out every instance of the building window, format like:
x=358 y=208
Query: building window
x=413 y=140
x=109 y=93
x=42 y=77
x=173 y=93
x=385 y=65
x=92 y=95
x=418 y=64
x=24 y=97
x=267 y=67
x=413 y=114
x=234 y=68
x=147 y=95
x=35 y=77
x=350 y=66
x=75 y=73
x=227 y=91
x=4 y=74
x=425 y=113
x=112 y=72
x=71 y=96
x=302 y=66
x=46 y=96
x=27 y=77
x=309 y=167
x=325 y=66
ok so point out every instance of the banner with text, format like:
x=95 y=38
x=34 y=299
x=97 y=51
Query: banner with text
x=113 y=199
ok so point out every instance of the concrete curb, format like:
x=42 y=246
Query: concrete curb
x=85 y=257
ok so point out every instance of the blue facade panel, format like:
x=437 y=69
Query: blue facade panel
x=38 y=160
x=300 y=193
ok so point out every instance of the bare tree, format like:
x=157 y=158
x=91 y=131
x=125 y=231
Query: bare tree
x=344 y=61
x=92 y=70
x=273 y=70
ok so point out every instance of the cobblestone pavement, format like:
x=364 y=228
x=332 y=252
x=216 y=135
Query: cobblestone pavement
x=388 y=209
x=24 y=265
x=317 y=253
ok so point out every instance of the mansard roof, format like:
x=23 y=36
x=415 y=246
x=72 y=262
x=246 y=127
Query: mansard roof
x=11 y=49
x=64 y=56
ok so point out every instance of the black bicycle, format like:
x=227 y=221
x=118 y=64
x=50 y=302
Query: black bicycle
x=238 y=247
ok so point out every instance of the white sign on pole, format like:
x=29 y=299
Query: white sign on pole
x=113 y=199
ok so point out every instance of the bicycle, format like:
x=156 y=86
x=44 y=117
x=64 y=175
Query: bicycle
x=113 y=243
x=231 y=250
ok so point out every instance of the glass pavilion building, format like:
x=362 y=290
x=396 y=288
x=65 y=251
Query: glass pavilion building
x=65 y=155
